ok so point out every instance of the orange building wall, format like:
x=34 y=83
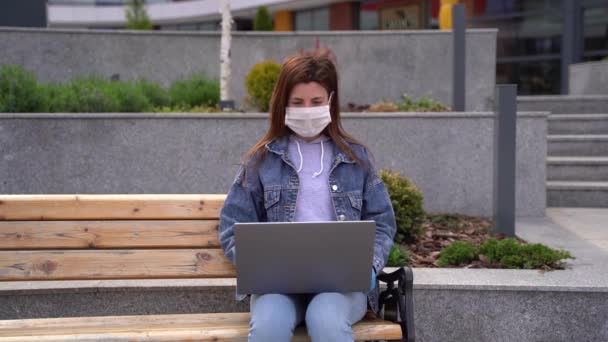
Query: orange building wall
x=283 y=21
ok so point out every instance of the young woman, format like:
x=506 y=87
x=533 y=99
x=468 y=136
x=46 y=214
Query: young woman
x=307 y=168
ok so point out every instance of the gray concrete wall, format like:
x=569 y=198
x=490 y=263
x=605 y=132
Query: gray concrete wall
x=372 y=65
x=589 y=78
x=449 y=156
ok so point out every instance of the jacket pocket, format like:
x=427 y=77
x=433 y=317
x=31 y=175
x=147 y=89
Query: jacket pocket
x=271 y=204
x=356 y=203
x=271 y=197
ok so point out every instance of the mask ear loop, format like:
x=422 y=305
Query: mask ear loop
x=330 y=96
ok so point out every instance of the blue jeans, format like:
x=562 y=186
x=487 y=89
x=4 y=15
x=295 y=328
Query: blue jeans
x=329 y=316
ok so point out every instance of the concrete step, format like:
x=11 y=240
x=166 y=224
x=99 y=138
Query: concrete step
x=577 y=194
x=577 y=168
x=577 y=145
x=578 y=124
x=563 y=104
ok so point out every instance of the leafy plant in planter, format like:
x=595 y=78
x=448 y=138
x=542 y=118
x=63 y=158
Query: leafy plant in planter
x=262 y=20
x=197 y=90
x=407 y=203
x=424 y=104
x=260 y=83
x=398 y=256
x=18 y=90
x=507 y=253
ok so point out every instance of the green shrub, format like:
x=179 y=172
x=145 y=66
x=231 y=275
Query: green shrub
x=424 y=104
x=58 y=98
x=398 y=256
x=262 y=20
x=407 y=203
x=197 y=109
x=197 y=90
x=260 y=83
x=94 y=94
x=137 y=17
x=538 y=255
x=457 y=253
x=130 y=97
x=511 y=254
x=489 y=249
x=451 y=222
x=19 y=90
x=156 y=94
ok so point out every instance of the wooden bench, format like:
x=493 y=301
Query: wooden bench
x=98 y=237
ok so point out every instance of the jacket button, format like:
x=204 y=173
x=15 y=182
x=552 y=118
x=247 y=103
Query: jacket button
x=342 y=217
x=334 y=187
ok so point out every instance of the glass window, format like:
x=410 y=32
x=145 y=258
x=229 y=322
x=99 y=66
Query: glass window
x=369 y=20
x=532 y=77
x=320 y=19
x=313 y=19
x=526 y=35
x=208 y=26
x=187 y=27
x=303 y=21
x=595 y=31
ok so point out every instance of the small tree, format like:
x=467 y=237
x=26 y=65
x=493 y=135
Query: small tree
x=226 y=102
x=263 y=20
x=137 y=17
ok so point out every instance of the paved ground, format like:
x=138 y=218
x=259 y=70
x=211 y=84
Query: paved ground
x=590 y=224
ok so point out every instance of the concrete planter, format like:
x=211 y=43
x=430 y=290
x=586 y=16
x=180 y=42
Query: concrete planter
x=373 y=65
x=449 y=156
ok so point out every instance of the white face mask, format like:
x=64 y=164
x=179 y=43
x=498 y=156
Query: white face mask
x=308 y=121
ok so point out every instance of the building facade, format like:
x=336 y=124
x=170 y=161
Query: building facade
x=537 y=39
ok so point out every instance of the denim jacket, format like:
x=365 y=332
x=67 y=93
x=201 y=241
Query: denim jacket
x=269 y=192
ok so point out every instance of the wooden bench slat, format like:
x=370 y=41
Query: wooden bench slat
x=114 y=264
x=179 y=327
x=110 y=207
x=8 y=327
x=109 y=234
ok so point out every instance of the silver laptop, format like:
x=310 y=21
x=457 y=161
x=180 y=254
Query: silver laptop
x=304 y=257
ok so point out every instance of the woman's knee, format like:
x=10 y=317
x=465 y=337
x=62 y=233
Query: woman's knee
x=273 y=318
x=326 y=314
x=330 y=316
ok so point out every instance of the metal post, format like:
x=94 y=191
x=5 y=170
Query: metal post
x=459 y=49
x=504 y=158
x=572 y=42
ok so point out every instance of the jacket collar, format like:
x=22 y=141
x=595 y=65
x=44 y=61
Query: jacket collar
x=279 y=145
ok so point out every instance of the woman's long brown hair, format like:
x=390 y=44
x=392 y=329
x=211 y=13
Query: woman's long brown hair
x=305 y=67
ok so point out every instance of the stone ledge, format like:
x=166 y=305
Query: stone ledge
x=240 y=33
x=375 y=115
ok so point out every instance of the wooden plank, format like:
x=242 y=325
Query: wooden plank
x=110 y=207
x=179 y=327
x=109 y=234
x=114 y=264
x=75 y=324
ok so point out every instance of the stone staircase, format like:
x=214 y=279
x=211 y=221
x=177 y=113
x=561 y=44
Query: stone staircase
x=577 y=149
